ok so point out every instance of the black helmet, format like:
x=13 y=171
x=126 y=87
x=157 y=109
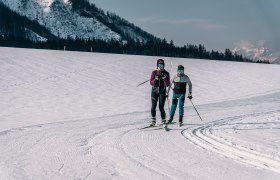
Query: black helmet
x=180 y=67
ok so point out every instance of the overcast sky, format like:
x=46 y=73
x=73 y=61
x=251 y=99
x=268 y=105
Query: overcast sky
x=218 y=24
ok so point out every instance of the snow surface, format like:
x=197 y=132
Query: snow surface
x=72 y=115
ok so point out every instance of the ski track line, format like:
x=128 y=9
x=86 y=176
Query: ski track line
x=114 y=138
x=155 y=158
x=128 y=147
x=74 y=120
x=203 y=137
x=115 y=128
x=118 y=145
x=153 y=153
x=45 y=138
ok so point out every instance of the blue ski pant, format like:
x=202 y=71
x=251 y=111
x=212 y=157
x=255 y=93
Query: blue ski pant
x=175 y=99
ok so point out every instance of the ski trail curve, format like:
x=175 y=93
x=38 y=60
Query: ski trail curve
x=204 y=137
x=113 y=149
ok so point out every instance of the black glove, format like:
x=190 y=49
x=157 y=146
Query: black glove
x=190 y=96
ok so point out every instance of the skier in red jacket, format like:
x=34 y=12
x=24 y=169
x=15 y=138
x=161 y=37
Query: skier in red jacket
x=160 y=80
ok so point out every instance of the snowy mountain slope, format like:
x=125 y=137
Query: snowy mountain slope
x=75 y=19
x=19 y=26
x=60 y=20
x=277 y=61
x=71 y=115
x=259 y=52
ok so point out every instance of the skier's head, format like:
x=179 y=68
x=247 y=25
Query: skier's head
x=180 y=70
x=160 y=64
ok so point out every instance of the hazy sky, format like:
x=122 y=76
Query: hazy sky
x=215 y=23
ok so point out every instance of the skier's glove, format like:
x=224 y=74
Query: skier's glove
x=156 y=78
x=190 y=96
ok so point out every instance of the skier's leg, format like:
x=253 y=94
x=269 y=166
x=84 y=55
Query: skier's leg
x=181 y=107
x=162 y=98
x=173 y=107
x=154 y=100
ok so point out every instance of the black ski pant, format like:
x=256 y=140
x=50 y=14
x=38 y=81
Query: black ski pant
x=161 y=97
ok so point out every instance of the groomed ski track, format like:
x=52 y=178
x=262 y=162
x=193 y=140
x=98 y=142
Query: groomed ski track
x=112 y=146
x=85 y=148
x=203 y=137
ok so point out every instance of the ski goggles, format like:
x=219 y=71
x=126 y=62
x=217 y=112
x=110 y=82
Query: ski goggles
x=180 y=71
x=160 y=66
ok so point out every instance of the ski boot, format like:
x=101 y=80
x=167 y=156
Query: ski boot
x=180 y=121
x=164 y=124
x=153 y=123
x=170 y=121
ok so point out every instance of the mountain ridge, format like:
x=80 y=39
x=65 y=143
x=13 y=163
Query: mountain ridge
x=77 y=19
x=256 y=52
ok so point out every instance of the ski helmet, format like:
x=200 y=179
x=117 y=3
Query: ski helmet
x=181 y=68
x=160 y=61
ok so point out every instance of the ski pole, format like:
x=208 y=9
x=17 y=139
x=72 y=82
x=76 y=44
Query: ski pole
x=196 y=111
x=142 y=83
x=168 y=101
x=171 y=68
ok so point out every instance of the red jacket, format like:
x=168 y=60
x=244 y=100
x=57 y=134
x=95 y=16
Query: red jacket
x=164 y=79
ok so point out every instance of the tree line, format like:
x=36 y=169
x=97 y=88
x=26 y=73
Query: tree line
x=150 y=48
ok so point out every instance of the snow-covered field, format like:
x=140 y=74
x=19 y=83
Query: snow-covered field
x=73 y=115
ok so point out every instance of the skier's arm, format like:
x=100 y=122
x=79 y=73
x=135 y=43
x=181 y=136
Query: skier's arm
x=166 y=79
x=152 y=79
x=190 y=85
